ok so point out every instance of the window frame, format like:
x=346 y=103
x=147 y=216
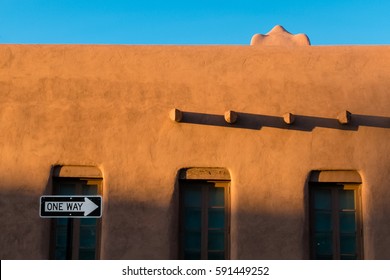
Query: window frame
x=73 y=230
x=334 y=187
x=225 y=184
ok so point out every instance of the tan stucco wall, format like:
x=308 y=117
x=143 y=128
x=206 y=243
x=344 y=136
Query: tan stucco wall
x=108 y=106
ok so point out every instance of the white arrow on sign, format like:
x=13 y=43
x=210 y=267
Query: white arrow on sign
x=87 y=206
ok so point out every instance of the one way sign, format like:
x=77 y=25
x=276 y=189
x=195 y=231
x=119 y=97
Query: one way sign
x=75 y=206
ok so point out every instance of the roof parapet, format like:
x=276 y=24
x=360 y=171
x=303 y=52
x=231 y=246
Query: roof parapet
x=278 y=36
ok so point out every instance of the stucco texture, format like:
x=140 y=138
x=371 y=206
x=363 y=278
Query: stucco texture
x=108 y=106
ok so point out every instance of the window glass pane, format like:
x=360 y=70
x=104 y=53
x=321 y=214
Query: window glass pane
x=87 y=236
x=192 y=196
x=65 y=188
x=322 y=199
x=323 y=220
x=324 y=257
x=216 y=218
x=216 y=256
x=89 y=189
x=192 y=240
x=192 y=218
x=347 y=222
x=323 y=243
x=61 y=236
x=347 y=244
x=348 y=257
x=216 y=196
x=192 y=255
x=347 y=199
x=88 y=221
x=216 y=240
x=62 y=221
x=60 y=254
x=87 y=254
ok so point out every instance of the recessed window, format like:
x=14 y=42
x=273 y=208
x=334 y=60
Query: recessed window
x=204 y=218
x=335 y=220
x=76 y=238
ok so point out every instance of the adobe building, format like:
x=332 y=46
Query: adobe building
x=275 y=150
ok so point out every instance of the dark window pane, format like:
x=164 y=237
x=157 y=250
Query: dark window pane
x=348 y=257
x=61 y=236
x=216 y=240
x=87 y=254
x=323 y=221
x=67 y=188
x=192 y=196
x=88 y=232
x=347 y=199
x=88 y=236
x=88 y=221
x=192 y=218
x=192 y=240
x=322 y=199
x=216 y=256
x=323 y=243
x=216 y=218
x=216 y=196
x=192 y=255
x=62 y=221
x=347 y=244
x=60 y=254
x=347 y=222
x=324 y=257
x=89 y=190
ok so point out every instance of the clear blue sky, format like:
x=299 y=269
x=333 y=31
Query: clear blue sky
x=199 y=22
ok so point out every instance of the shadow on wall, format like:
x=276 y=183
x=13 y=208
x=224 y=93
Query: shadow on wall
x=24 y=235
x=132 y=229
x=301 y=123
x=143 y=230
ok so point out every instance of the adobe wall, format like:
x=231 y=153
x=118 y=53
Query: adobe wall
x=108 y=106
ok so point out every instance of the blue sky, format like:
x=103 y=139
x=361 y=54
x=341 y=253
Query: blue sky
x=191 y=22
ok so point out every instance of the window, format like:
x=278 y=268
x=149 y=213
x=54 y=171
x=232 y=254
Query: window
x=335 y=221
x=75 y=238
x=204 y=219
